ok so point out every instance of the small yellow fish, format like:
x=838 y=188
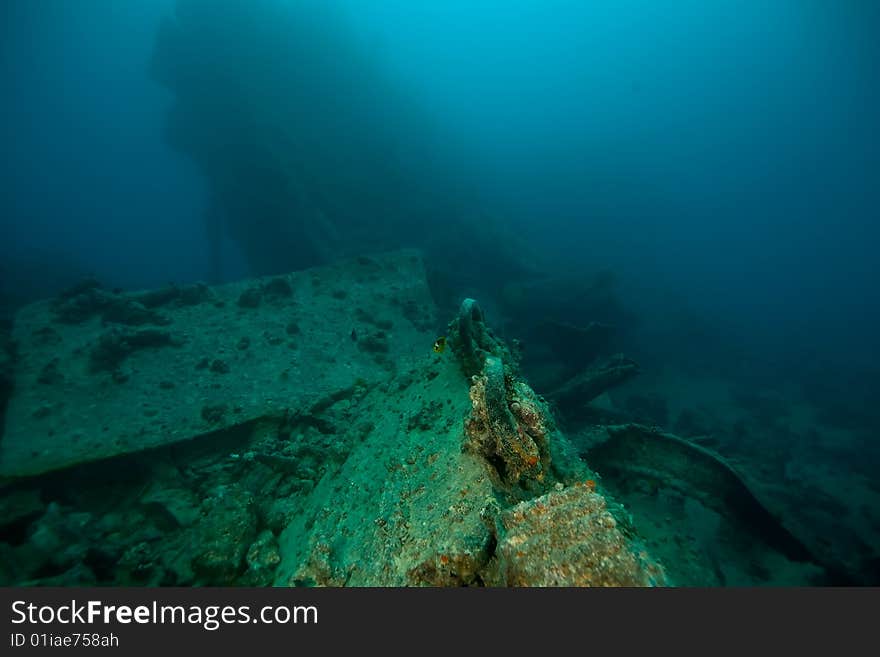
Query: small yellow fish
x=440 y=344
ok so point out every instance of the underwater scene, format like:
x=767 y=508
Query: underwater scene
x=440 y=293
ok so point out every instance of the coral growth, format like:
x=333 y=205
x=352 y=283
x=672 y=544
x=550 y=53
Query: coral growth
x=507 y=426
x=567 y=538
x=532 y=418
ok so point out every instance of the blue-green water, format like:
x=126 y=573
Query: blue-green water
x=691 y=185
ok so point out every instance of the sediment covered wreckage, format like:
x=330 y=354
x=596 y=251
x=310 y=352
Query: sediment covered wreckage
x=291 y=430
